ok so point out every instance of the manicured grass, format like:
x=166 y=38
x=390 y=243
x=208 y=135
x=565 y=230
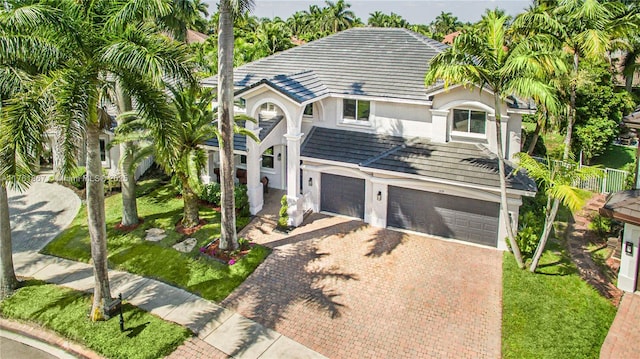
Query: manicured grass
x=159 y=206
x=553 y=313
x=616 y=157
x=65 y=312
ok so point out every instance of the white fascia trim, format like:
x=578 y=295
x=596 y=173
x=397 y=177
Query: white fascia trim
x=522 y=111
x=212 y=148
x=452 y=87
x=326 y=163
x=269 y=88
x=444 y=182
x=382 y=99
x=315 y=99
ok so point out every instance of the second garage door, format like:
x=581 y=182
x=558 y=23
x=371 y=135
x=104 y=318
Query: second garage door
x=443 y=215
x=342 y=195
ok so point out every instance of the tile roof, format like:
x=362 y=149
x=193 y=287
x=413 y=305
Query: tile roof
x=299 y=87
x=240 y=141
x=458 y=162
x=381 y=62
x=623 y=206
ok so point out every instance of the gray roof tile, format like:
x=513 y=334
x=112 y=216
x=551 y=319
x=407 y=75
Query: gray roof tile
x=240 y=141
x=382 y=62
x=461 y=162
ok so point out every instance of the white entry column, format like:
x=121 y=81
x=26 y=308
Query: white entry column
x=294 y=198
x=255 y=188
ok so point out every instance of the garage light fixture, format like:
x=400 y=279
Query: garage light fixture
x=279 y=156
x=379 y=195
x=310 y=182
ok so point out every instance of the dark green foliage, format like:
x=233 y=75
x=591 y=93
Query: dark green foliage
x=283 y=220
x=65 y=312
x=530 y=223
x=600 y=225
x=211 y=193
x=599 y=111
x=242 y=200
x=540 y=150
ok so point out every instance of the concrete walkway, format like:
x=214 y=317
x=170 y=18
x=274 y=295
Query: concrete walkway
x=38 y=215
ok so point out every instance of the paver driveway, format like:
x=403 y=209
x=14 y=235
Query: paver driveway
x=348 y=290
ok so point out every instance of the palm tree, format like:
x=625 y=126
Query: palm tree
x=273 y=37
x=486 y=56
x=338 y=17
x=444 y=24
x=557 y=181
x=583 y=29
x=227 y=8
x=186 y=15
x=93 y=42
x=377 y=19
x=194 y=117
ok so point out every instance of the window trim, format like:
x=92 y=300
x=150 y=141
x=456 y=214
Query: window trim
x=305 y=115
x=351 y=122
x=468 y=133
x=272 y=156
x=355 y=119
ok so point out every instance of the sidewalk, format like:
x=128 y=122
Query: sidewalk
x=224 y=331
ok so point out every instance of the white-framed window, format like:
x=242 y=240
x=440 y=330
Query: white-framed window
x=469 y=121
x=356 y=110
x=268 y=108
x=268 y=158
x=308 y=110
x=240 y=103
x=243 y=159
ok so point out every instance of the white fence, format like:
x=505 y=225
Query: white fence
x=610 y=181
x=143 y=167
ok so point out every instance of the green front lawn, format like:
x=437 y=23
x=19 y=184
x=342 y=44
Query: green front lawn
x=159 y=206
x=616 y=157
x=553 y=313
x=65 y=311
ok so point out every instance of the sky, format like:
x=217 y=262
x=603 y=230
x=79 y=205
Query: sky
x=416 y=12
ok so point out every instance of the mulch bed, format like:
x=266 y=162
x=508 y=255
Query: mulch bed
x=213 y=251
x=130 y=228
x=189 y=231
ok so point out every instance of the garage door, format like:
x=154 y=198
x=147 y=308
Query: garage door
x=447 y=216
x=342 y=195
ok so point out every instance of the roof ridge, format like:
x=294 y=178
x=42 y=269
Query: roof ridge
x=426 y=40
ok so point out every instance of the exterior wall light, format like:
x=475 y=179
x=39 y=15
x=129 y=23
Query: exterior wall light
x=279 y=156
x=310 y=182
x=379 y=195
x=628 y=248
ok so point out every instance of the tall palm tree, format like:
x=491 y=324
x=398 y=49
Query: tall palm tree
x=93 y=41
x=338 y=17
x=226 y=10
x=486 y=56
x=584 y=29
x=445 y=23
x=557 y=182
x=194 y=117
x=186 y=15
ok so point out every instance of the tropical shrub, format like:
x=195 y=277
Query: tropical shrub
x=242 y=200
x=283 y=220
x=211 y=193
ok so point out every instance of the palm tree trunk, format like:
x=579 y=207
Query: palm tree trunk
x=127 y=170
x=572 y=108
x=190 y=217
x=228 y=235
x=97 y=223
x=628 y=83
x=8 y=280
x=548 y=226
x=503 y=185
x=534 y=140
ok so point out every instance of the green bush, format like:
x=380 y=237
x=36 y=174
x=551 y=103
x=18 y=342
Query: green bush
x=600 y=225
x=242 y=200
x=283 y=220
x=529 y=231
x=211 y=193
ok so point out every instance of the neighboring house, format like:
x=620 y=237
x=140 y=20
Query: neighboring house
x=625 y=207
x=348 y=127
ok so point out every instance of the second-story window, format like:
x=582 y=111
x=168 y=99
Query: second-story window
x=356 y=110
x=469 y=121
x=308 y=110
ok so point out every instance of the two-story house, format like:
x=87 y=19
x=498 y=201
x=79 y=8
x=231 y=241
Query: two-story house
x=348 y=127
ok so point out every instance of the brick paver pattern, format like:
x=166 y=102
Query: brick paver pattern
x=348 y=290
x=623 y=339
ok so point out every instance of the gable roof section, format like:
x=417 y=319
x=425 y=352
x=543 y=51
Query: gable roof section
x=240 y=141
x=380 y=62
x=457 y=162
x=623 y=206
x=300 y=87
